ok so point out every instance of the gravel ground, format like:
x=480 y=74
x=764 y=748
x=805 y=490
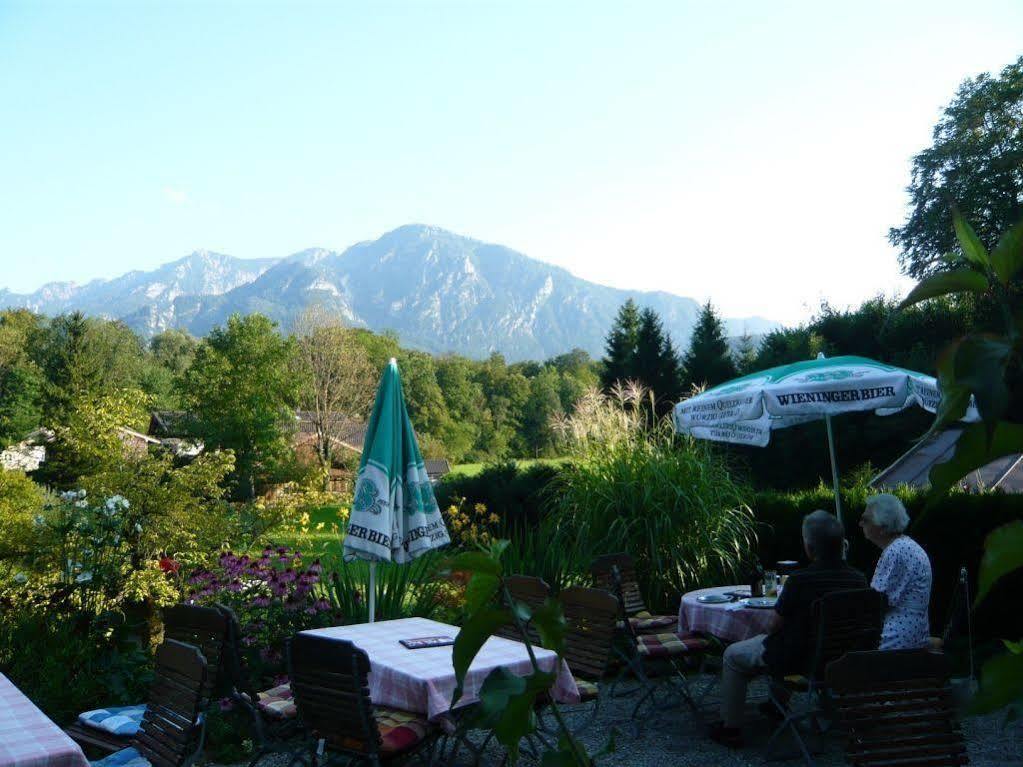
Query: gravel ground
x=676 y=736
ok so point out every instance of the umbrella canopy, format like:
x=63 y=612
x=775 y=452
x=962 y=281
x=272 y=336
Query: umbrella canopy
x=747 y=409
x=394 y=517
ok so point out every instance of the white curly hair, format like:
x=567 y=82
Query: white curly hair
x=887 y=512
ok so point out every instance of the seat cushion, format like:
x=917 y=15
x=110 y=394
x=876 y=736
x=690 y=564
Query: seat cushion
x=400 y=730
x=122 y=721
x=796 y=682
x=587 y=690
x=670 y=644
x=126 y=757
x=650 y=623
x=278 y=702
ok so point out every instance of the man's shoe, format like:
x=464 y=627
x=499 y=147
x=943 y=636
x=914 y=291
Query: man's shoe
x=730 y=737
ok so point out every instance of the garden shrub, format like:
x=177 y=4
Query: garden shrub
x=515 y=495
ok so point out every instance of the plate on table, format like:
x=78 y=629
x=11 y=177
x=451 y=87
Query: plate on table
x=759 y=603
x=713 y=599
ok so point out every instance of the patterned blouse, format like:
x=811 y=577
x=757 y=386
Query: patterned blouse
x=903 y=575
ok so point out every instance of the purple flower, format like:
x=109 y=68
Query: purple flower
x=288 y=576
x=310 y=610
x=322 y=605
x=316 y=568
x=226 y=704
x=248 y=641
x=260 y=602
x=235 y=585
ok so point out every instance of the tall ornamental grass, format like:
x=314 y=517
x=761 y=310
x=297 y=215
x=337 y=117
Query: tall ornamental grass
x=636 y=486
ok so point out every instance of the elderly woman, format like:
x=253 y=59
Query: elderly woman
x=903 y=574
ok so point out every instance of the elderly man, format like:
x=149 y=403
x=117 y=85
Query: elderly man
x=786 y=648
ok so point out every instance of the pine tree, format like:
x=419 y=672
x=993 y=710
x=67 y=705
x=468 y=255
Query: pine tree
x=657 y=364
x=746 y=354
x=708 y=360
x=620 y=349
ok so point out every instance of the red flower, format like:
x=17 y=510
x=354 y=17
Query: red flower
x=169 y=565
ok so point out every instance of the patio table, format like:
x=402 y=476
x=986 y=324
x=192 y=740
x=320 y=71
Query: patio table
x=423 y=680
x=28 y=738
x=728 y=621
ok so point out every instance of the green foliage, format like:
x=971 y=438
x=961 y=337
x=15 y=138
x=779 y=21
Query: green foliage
x=973 y=165
x=243 y=390
x=402 y=591
x=620 y=349
x=21 y=504
x=657 y=364
x=708 y=360
x=21 y=380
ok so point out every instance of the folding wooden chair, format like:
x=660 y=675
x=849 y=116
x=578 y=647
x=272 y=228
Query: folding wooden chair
x=532 y=592
x=329 y=682
x=591 y=616
x=843 y=622
x=172 y=733
x=636 y=613
x=897 y=708
x=204 y=627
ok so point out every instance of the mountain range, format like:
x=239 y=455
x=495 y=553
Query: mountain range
x=439 y=291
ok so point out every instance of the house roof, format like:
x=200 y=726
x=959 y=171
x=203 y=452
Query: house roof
x=914 y=466
x=170 y=423
x=348 y=432
x=437 y=467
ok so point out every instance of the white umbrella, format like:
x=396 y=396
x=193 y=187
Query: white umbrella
x=746 y=410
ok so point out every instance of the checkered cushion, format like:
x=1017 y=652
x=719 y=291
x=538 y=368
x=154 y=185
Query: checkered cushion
x=278 y=702
x=644 y=622
x=670 y=644
x=797 y=681
x=587 y=690
x=400 y=730
x=126 y=757
x=122 y=721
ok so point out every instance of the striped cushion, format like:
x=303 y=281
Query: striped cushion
x=669 y=644
x=649 y=623
x=587 y=690
x=400 y=730
x=278 y=702
x=122 y=721
x=126 y=757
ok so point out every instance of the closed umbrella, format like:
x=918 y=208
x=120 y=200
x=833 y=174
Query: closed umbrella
x=746 y=410
x=394 y=517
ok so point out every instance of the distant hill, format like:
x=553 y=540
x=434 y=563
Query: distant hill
x=439 y=291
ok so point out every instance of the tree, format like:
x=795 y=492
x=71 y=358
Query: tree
x=242 y=389
x=538 y=411
x=21 y=380
x=620 y=348
x=174 y=350
x=339 y=379
x=656 y=364
x=745 y=356
x=708 y=361
x=975 y=161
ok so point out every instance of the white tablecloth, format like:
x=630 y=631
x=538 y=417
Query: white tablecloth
x=729 y=621
x=28 y=738
x=423 y=680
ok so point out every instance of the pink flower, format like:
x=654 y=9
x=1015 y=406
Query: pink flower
x=226 y=704
x=322 y=605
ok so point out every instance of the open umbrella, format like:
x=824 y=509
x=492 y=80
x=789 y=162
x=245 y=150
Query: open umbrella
x=746 y=410
x=394 y=517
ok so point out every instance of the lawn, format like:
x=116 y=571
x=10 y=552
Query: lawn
x=324 y=537
x=472 y=469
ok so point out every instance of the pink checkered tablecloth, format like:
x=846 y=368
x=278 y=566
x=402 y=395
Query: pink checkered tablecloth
x=423 y=680
x=729 y=622
x=28 y=738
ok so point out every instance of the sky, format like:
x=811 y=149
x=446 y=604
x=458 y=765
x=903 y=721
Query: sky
x=750 y=153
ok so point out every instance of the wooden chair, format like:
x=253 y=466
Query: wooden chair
x=328 y=680
x=897 y=709
x=532 y=592
x=204 y=627
x=172 y=733
x=843 y=622
x=591 y=616
x=642 y=654
x=633 y=606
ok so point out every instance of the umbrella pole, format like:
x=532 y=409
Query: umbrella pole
x=372 y=591
x=834 y=468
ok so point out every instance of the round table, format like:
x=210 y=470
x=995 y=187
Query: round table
x=728 y=621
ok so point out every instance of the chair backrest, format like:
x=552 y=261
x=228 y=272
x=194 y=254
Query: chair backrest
x=845 y=621
x=602 y=569
x=328 y=682
x=168 y=735
x=591 y=616
x=531 y=591
x=897 y=708
x=209 y=629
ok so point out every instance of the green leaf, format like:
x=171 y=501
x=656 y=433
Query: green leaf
x=955 y=397
x=475 y=562
x=497 y=548
x=507 y=705
x=973 y=249
x=974 y=450
x=1001 y=684
x=1003 y=553
x=980 y=366
x=480 y=591
x=1016 y=648
x=549 y=620
x=944 y=283
x=1007 y=257
x=495 y=692
x=471 y=637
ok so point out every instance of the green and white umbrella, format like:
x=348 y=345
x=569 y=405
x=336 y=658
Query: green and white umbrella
x=394 y=517
x=746 y=410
